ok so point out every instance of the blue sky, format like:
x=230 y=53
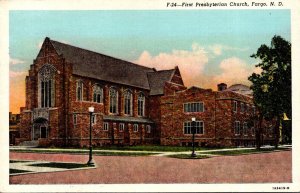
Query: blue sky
x=203 y=43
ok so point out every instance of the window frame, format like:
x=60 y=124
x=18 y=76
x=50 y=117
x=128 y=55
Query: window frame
x=128 y=110
x=193 y=107
x=135 y=127
x=242 y=107
x=237 y=128
x=235 y=106
x=97 y=92
x=148 y=128
x=79 y=87
x=141 y=104
x=187 y=126
x=121 y=127
x=105 y=126
x=113 y=105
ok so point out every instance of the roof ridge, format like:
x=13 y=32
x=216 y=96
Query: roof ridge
x=101 y=54
x=161 y=71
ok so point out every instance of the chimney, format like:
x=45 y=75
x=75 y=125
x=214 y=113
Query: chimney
x=222 y=86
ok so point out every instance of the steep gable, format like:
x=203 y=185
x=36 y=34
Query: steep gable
x=95 y=65
x=158 y=79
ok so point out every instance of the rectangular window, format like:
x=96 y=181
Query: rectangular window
x=235 y=106
x=105 y=126
x=135 y=128
x=199 y=127
x=245 y=128
x=75 y=119
x=121 y=127
x=237 y=128
x=193 y=107
x=148 y=129
x=242 y=107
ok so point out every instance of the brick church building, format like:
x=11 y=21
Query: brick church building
x=133 y=104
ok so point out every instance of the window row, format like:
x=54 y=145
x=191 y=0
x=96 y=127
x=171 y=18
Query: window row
x=113 y=99
x=188 y=127
x=106 y=125
x=194 y=107
x=243 y=107
x=244 y=130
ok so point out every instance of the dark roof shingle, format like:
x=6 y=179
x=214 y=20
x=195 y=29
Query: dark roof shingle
x=95 y=65
x=157 y=80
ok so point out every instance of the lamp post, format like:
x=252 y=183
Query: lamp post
x=91 y=162
x=193 y=140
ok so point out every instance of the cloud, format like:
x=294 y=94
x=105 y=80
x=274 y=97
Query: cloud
x=13 y=74
x=39 y=46
x=190 y=62
x=234 y=70
x=217 y=49
x=14 y=61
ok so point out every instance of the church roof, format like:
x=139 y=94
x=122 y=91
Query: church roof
x=95 y=65
x=157 y=80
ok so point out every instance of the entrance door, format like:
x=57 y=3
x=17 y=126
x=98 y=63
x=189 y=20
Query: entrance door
x=43 y=132
x=126 y=135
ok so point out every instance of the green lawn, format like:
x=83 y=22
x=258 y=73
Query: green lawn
x=244 y=151
x=82 y=152
x=60 y=165
x=17 y=161
x=157 y=148
x=188 y=156
x=15 y=171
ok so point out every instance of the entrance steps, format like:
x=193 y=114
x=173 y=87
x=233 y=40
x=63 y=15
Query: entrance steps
x=29 y=143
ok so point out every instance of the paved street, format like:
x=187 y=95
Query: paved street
x=255 y=168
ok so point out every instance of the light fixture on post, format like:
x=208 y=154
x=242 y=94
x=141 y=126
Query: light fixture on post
x=193 y=139
x=91 y=162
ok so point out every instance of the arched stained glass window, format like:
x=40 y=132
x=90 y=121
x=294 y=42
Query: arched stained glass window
x=113 y=100
x=97 y=94
x=46 y=78
x=128 y=102
x=141 y=104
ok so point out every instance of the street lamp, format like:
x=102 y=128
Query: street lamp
x=91 y=162
x=193 y=132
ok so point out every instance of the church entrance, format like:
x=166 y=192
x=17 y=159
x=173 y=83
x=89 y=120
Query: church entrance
x=40 y=129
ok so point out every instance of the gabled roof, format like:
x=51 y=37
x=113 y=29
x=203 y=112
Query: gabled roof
x=95 y=65
x=157 y=80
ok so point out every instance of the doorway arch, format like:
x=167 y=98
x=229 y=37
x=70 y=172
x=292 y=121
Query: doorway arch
x=40 y=129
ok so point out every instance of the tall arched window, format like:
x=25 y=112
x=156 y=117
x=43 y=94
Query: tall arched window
x=128 y=102
x=113 y=100
x=79 y=90
x=97 y=94
x=46 y=86
x=141 y=104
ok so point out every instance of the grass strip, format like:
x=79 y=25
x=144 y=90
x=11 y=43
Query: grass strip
x=16 y=171
x=188 y=156
x=84 y=152
x=157 y=148
x=18 y=161
x=245 y=151
x=60 y=165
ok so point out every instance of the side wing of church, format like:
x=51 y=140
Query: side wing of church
x=133 y=104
